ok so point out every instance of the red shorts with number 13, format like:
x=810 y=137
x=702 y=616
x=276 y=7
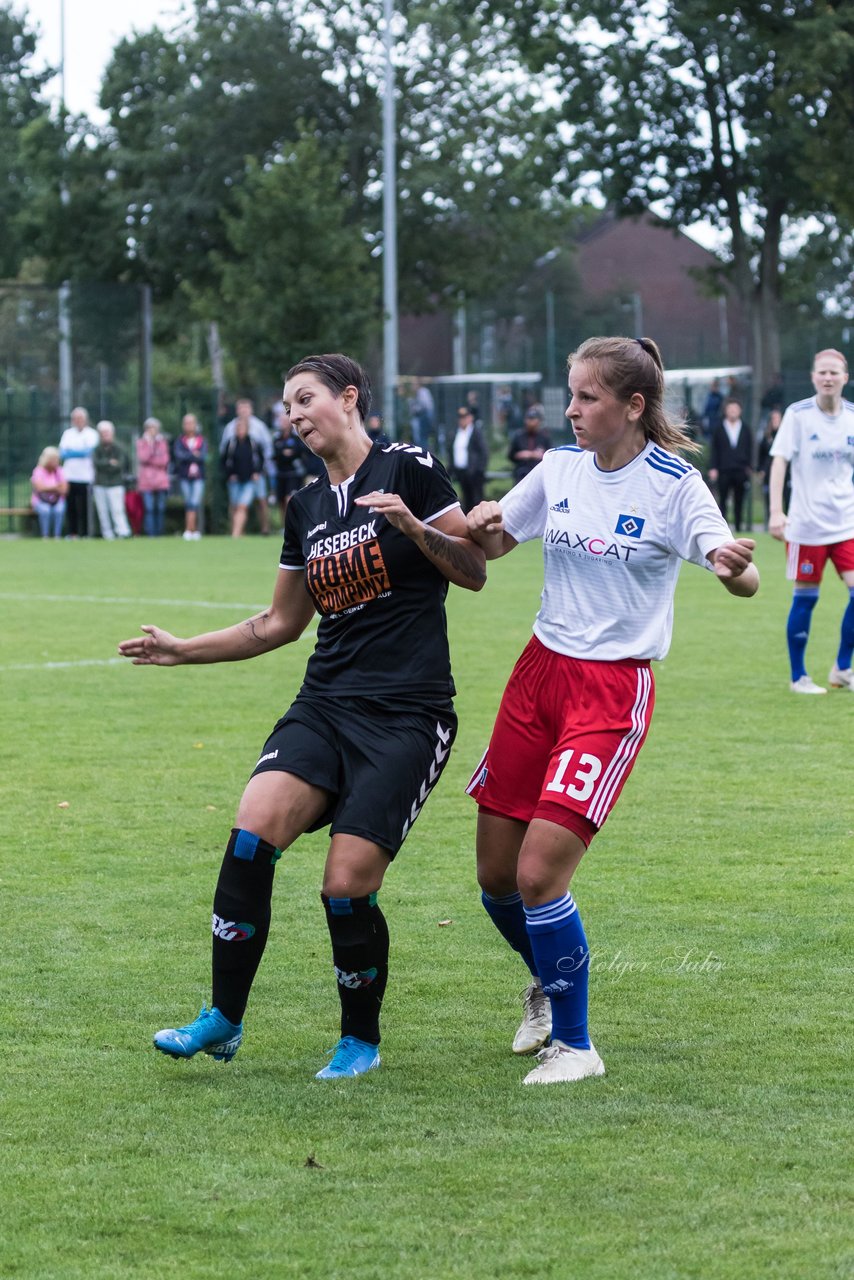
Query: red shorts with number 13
x=565 y=740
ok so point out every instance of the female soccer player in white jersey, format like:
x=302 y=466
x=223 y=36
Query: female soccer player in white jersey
x=817 y=437
x=617 y=513
x=371 y=546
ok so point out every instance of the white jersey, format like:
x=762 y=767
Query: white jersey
x=613 y=544
x=821 y=452
x=76 y=447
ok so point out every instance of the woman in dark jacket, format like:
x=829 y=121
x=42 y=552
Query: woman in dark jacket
x=242 y=462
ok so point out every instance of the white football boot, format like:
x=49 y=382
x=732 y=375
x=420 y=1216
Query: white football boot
x=536 y=1025
x=805 y=685
x=560 y=1063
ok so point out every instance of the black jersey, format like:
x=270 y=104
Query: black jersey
x=382 y=629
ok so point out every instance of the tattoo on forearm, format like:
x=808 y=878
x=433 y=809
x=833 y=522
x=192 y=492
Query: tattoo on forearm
x=255 y=629
x=457 y=554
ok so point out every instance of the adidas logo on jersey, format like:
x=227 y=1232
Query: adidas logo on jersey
x=562 y=506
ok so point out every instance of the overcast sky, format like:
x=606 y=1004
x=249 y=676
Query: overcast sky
x=92 y=29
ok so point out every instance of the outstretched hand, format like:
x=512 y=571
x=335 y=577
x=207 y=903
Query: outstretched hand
x=156 y=648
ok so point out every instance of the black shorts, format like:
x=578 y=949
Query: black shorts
x=379 y=761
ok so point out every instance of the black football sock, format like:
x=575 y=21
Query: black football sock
x=359 y=936
x=241 y=919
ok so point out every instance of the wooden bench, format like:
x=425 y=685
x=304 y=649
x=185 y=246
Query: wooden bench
x=12 y=513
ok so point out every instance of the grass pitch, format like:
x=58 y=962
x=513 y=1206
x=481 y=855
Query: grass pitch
x=716 y=902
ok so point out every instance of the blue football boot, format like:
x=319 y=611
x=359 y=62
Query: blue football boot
x=350 y=1057
x=211 y=1033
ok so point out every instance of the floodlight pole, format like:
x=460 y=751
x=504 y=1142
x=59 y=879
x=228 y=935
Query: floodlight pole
x=64 y=293
x=551 y=364
x=390 y=319
x=62 y=56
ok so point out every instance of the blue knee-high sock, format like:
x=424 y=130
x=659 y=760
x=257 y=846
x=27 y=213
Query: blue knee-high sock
x=508 y=916
x=846 y=639
x=560 y=951
x=798 y=628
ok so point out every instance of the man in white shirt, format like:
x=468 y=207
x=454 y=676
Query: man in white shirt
x=76 y=446
x=730 y=457
x=469 y=458
x=816 y=437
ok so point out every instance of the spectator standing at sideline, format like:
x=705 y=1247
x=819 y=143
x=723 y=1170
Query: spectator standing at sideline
x=473 y=405
x=578 y=704
x=374 y=428
x=528 y=445
x=242 y=462
x=774 y=398
x=111 y=466
x=469 y=458
x=763 y=462
x=260 y=433
x=533 y=400
x=816 y=437
x=422 y=413
x=509 y=416
x=289 y=454
x=730 y=458
x=712 y=408
x=152 y=482
x=76 y=446
x=49 y=492
x=189 y=455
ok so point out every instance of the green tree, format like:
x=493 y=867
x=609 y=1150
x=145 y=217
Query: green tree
x=297 y=275
x=187 y=111
x=703 y=110
x=21 y=107
x=71 y=219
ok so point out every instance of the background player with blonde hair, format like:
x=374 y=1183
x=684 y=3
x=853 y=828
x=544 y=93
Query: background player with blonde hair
x=816 y=438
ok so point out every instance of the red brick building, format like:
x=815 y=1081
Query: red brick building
x=636 y=275
x=654 y=275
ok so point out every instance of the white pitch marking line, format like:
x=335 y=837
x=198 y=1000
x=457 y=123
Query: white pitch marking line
x=141 y=601
x=51 y=666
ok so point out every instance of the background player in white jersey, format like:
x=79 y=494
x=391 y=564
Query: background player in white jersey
x=371 y=546
x=817 y=437
x=618 y=513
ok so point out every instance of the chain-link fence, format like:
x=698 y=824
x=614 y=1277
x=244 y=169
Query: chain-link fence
x=79 y=345
x=86 y=345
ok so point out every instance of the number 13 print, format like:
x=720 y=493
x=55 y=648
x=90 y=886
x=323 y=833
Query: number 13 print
x=583 y=778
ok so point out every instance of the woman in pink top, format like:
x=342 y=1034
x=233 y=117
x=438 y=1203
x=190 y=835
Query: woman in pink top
x=152 y=452
x=49 y=490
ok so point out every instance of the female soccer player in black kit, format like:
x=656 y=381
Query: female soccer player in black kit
x=371 y=546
